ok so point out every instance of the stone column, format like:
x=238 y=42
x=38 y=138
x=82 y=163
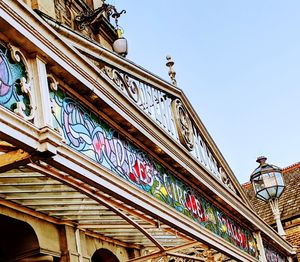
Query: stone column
x=43 y=116
x=260 y=247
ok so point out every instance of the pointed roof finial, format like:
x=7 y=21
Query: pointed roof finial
x=172 y=73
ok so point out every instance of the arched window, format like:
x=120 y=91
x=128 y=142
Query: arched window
x=104 y=255
x=17 y=239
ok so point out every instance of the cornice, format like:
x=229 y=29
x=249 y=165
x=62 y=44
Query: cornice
x=91 y=47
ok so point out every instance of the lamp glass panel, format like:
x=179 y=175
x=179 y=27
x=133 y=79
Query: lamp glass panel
x=279 y=191
x=269 y=180
x=272 y=192
x=263 y=194
x=279 y=179
x=258 y=185
x=260 y=197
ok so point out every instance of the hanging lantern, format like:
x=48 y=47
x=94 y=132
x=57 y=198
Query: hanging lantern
x=120 y=46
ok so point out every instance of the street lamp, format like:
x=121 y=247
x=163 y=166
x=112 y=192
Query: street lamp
x=268 y=186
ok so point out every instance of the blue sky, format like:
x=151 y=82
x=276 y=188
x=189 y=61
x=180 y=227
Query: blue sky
x=237 y=61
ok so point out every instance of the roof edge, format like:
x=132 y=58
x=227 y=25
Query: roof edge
x=291 y=167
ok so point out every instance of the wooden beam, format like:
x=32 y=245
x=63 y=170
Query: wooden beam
x=167 y=251
x=40 y=258
x=193 y=258
x=13 y=159
x=148 y=257
x=5 y=146
x=87 y=190
x=33 y=213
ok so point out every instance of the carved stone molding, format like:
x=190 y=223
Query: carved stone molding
x=25 y=84
x=183 y=124
x=53 y=83
x=226 y=180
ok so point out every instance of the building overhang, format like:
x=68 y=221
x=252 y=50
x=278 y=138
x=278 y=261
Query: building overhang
x=76 y=174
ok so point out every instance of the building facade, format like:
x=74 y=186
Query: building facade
x=102 y=160
x=289 y=205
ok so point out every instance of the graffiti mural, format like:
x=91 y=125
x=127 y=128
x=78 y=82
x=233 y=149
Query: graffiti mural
x=86 y=133
x=14 y=89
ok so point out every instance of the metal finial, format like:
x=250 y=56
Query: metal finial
x=172 y=73
x=261 y=160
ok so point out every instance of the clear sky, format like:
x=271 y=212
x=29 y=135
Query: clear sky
x=238 y=63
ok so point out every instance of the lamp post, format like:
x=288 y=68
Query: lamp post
x=268 y=186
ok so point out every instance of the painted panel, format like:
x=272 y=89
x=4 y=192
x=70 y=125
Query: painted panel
x=12 y=80
x=273 y=256
x=86 y=133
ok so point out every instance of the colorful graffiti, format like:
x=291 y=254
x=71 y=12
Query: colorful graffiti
x=87 y=134
x=272 y=255
x=11 y=74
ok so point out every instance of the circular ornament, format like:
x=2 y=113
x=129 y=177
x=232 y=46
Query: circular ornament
x=183 y=124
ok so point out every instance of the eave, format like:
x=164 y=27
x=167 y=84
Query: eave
x=72 y=61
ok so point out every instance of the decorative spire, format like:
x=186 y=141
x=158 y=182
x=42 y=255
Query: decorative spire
x=172 y=73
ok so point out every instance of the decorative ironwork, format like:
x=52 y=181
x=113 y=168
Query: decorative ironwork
x=125 y=83
x=154 y=102
x=88 y=17
x=15 y=86
x=84 y=132
x=183 y=124
x=157 y=104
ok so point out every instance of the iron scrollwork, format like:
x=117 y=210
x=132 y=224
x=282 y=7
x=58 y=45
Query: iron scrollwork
x=123 y=81
x=88 y=17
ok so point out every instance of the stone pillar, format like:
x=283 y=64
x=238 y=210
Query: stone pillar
x=43 y=117
x=260 y=247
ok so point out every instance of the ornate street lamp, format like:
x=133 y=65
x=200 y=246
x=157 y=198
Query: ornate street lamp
x=268 y=186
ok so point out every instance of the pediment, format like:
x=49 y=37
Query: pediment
x=161 y=103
